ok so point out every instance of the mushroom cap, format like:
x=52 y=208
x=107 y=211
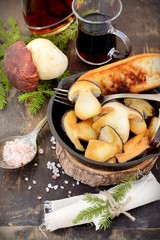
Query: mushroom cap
x=145 y=108
x=84 y=94
x=79 y=86
x=20 y=68
x=154 y=130
x=141 y=105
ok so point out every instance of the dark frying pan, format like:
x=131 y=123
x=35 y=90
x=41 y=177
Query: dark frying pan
x=56 y=111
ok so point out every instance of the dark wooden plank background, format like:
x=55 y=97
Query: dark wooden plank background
x=20 y=210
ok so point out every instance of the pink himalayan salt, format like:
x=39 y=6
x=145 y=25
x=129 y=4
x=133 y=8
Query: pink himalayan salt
x=18 y=152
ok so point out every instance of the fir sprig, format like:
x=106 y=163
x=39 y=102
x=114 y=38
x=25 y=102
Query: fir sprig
x=101 y=208
x=61 y=40
x=97 y=207
x=5 y=87
x=36 y=99
x=3 y=101
x=122 y=189
x=11 y=34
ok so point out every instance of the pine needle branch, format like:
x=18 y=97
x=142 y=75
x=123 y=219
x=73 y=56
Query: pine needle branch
x=122 y=189
x=3 y=101
x=93 y=199
x=89 y=213
x=101 y=208
x=61 y=40
x=36 y=103
x=36 y=99
x=105 y=221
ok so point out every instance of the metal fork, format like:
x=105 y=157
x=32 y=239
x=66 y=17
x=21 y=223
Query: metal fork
x=61 y=96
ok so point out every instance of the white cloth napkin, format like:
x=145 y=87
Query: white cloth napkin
x=61 y=213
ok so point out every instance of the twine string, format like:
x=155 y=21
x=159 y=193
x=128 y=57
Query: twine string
x=117 y=208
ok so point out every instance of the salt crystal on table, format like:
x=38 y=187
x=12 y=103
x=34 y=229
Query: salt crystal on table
x=55 y=187
x=54 y=176
x=50 y=185
x=34 y=181
x=58 y=165
x=39 y=197
x=41 y=151
x=53 y=147
x=47 y=189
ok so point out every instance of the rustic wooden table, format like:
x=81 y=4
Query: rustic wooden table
x=21 y=212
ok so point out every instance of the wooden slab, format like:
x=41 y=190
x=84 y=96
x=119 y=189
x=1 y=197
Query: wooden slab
x=96 y=177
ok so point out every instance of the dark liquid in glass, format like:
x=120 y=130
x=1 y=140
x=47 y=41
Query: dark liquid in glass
x=93 y=41
x=47 y=15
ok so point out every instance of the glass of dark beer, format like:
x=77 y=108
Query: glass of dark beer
x=96 y=40
x=47 y=16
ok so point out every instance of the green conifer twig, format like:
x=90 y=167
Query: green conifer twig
x=101 y=208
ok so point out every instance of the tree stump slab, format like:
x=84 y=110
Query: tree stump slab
x=97 y=177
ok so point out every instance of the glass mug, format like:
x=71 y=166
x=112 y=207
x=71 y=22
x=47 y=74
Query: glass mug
x=96 y=39
x=46 y=16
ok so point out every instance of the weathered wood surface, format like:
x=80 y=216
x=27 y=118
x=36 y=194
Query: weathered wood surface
x=21 y=212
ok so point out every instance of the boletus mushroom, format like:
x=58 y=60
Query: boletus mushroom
x=84 y=94
x=145 y=108
x=77 y=131
x=26 y=64
x=117 y=115
x=104 y=148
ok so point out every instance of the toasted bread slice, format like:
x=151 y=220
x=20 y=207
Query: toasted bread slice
x=134 y=74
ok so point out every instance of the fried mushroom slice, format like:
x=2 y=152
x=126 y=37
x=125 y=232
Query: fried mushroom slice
x=84 y=94
x=145 y=108
x=100 y=151
x=108 y=134
x=134 y=147
x=103 y=149
x=117 y=116
x=77 y=131
x=154 y=131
